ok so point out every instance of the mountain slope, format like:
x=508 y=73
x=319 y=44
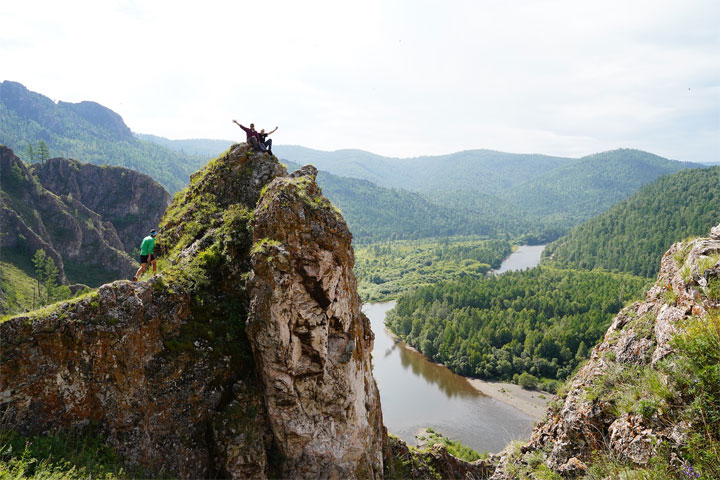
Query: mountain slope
x=131 y=201
x=646 y=403
x=88 y=219
x=376 y=213
x=631 y=236
x=479 y=170
x=89 y=132
x=85 y=248
x=592 y=184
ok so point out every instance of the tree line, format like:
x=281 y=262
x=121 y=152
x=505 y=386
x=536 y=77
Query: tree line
x=541 y=321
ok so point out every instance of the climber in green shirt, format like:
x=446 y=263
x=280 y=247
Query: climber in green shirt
x=146 y=254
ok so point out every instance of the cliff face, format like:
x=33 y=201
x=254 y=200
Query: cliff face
x=75 y=236
x=628 y=401
x=311 y=341
x=246 y=357
x=131 y=201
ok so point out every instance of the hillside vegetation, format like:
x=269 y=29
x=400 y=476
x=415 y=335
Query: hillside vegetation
x=539 y=322
x=533 y=198
x=591 y=185
x=387 y=270
x=633 y=235
x=478 y=170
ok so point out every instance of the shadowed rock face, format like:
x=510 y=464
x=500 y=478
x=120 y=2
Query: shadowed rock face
x=33 y=218
x=133 y=202
x=168 y=372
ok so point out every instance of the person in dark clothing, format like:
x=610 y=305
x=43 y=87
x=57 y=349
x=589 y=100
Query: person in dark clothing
x=266 y=142
x=253 y=137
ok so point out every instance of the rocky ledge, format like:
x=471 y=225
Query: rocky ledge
x=605 y=410
x=246 y=357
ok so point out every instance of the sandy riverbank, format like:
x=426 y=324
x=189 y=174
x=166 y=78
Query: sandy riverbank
x=529 y=402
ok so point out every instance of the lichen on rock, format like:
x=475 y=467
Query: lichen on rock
x=621 y=403
x=168 y=374
x=311 y=341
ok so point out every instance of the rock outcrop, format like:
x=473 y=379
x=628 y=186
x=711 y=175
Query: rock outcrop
x=247 y=357
x=311 y=341
x=592 y=418
x=75 y=236
x=131 y=201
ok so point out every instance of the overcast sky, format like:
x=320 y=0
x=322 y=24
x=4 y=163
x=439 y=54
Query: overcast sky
x=398 y=78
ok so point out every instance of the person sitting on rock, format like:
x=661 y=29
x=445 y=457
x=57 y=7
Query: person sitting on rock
x=253 y=137
x=146 y=254
x=266 y=142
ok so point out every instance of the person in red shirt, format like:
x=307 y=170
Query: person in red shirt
x=253 y=137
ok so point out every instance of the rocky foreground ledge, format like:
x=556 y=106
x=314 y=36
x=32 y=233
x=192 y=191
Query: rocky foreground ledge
x=596 y=415
x=246 y=357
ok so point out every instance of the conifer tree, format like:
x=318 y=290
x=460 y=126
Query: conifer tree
x=43 y=152
x=30 y=152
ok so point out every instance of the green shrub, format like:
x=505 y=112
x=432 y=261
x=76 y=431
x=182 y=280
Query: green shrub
x=528 y=381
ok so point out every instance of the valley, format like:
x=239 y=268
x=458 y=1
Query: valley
x=480 y=270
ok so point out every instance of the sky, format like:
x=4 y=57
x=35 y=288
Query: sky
x=398 y=78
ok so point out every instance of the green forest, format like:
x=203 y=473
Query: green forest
x=541 y=321
x=389 y=269
x=633 y=235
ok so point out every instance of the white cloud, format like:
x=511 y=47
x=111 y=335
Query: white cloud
x=399 y=78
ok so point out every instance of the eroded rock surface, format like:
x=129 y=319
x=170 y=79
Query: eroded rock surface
x=311 y=341
x=588 y=421
x=167 y=371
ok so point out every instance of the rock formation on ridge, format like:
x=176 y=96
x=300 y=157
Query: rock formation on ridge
x=605 y=409
x=76 y=237
x=167 y=371
x=133 y=202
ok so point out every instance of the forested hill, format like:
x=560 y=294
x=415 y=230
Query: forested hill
x=593 y=184
x=193 y=146
x=375 y=213
x=534 y=197
x=479 y=170
x=88 y=132
x=633 y=235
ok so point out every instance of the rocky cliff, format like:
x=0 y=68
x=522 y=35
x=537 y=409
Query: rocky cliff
x=131 y=201
x=247 y=357
x=83 y=244
x=637 y=404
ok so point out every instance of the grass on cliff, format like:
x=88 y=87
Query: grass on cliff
x=454 y=447
x=17 y=289
x=67 y=457
x=683 y=389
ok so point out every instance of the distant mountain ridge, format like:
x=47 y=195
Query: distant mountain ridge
x=483 y=170
x=89 y=132
x=533 y=198
x=593 y=183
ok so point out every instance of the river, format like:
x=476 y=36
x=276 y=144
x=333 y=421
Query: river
x=416 y=393
x=526 y=256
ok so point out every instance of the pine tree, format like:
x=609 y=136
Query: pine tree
x=43 y=151
x=30 y=153
x=39 y=260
